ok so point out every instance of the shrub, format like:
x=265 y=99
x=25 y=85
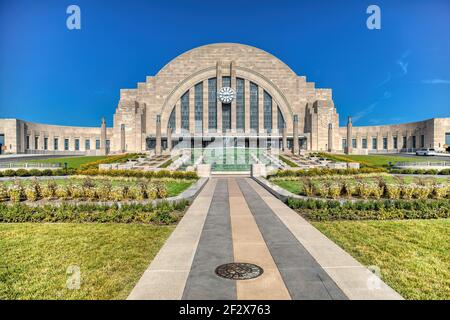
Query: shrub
x=16 y=192
x=118 y=193
x=349 y=189
x=364 y=190
x=407 y=191
x=137 y=193
x=308 y=187
x=48 y=190
x=62 y=192
x=136 y=213
x=4 y=195
x=334 y=189
x=393 y=191
x=321 y=190
x=374 y=209
x=377 y=191
x=30 y=193
x=104 y=191
x=422 y=191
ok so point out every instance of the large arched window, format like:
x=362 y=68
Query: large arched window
x=185 y=111
x=198 y=107
x=172 y=120
x=212 y=104
x=267 y=112
x=281 y=122
x=240 y=104
x=254 y=115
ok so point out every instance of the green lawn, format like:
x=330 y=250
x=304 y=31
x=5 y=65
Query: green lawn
x=72 y=162
x=375 y=160
x=112 y=257
x=413 y=255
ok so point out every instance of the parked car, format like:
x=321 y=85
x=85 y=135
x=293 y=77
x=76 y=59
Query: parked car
x=425 y=152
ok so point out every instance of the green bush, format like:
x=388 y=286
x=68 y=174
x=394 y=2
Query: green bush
x=420 y=171
x=371 y=210
x=97 y=172
x=163 y=213
x=324 y=171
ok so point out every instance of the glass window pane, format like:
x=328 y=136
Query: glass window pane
x=185 y=111
x=212 y=104
x=267 y=112
x=199 y=107
x=240 y=104
x=254 y=116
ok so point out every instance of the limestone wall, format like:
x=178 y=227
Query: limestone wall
x=432 y=132
x=41 y=137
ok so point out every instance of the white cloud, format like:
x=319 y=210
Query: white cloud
x=402 y=63
x=436 y=81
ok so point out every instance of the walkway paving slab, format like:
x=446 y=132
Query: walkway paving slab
x=234 y=219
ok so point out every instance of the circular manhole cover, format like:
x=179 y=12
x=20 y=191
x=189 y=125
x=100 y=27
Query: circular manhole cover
x=239 y=271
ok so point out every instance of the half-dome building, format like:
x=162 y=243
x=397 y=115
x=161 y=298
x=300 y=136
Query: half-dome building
x=227 y=94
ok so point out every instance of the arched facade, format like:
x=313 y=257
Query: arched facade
x=270 y=106
x=183 y=96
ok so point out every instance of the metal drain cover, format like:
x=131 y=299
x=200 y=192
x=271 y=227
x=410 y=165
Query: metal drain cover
x=239 y=271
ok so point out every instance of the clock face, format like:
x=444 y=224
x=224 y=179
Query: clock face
x=226 y=94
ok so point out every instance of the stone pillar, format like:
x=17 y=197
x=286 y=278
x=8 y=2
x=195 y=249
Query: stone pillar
x=219 y=104
x=295 y=148
x=169 y=139
x=122 y=138
x=158 y=135
x=330 y=137
x=233 y=103
x=379 y=141
x=274 y=118
x=284 y=138
x=247 y=106
x=102 y=137
x=349 y=136
x=389 y=140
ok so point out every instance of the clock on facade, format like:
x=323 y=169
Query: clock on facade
x=226 y=94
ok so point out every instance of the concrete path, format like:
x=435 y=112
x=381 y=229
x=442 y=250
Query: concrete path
x=236 y=220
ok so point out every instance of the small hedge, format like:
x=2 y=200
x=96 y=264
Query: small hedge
x=358 y=188
x=97 y=172
x=290 y=163
x=111 y=159
x=320 y=210
x=163 y=213
x=89 y=190
x=324 y=171
x=420 y=171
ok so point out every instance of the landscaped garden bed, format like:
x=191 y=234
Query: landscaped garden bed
x=366 y=186
x=97 y=188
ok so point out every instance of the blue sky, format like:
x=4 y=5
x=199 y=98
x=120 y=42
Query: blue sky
x=397 y=74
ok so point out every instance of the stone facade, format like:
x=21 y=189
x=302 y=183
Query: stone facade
x=271 y=97
x=27 y=137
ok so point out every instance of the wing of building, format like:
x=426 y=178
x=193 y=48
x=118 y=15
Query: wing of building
x=238 y=94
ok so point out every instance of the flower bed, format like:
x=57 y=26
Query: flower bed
x=89 y=189
x=97 y=172
x=324 y=172
x=366 y=187
x=319 y=210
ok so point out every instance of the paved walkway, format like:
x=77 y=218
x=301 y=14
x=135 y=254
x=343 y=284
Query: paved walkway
x=236 y=220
